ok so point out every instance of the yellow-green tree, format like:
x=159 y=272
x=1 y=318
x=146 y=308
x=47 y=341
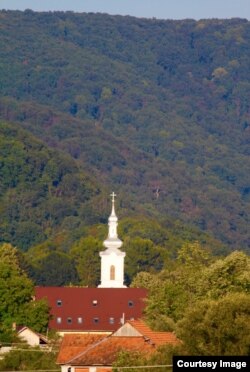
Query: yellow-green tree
x=16 y=292
x=217 y=327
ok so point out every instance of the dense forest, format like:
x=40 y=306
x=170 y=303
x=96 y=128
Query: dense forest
x=155 y=110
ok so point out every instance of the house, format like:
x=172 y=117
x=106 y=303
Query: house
x=32 y=338
x=102 y=309
x=97 y=353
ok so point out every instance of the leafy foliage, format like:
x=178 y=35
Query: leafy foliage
x=218 y=327
x=156 y=109
x=205 y=300
x=40 y=188
x=28 y=360
x=162 y=356
x=193 y=277
x=231 y=274
x=16 y=291
x=85 y=254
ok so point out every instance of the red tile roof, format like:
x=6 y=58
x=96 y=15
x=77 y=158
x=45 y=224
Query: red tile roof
x=103 y=350
x=74 y=344
x=93 y=350
x=100 y=309
x=157 y=338
x=106 y=351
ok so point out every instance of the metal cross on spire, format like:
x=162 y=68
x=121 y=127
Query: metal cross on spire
x=113 y=195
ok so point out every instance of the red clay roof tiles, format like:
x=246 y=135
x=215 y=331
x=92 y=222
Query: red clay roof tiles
x=90 y=349
x=102 y=350
x=74 y=344
x=157 y=338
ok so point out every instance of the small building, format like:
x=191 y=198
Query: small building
x=97 y=353
x=32 y=338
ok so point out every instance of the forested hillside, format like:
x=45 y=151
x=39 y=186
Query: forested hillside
x=157 y=111
x=40 y=189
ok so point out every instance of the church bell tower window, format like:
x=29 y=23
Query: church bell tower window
x=112 y=272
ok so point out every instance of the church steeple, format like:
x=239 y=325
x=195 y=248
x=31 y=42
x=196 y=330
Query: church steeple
x=112 y=259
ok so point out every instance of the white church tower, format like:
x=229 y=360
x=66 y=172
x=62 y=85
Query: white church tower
x=112 y=259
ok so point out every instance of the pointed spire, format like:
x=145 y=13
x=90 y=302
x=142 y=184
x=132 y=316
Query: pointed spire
x=113 y=195
x=113 y=239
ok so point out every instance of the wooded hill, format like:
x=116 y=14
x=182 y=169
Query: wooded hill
x=157 y=111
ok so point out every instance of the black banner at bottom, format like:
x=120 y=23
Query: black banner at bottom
x=211 y=363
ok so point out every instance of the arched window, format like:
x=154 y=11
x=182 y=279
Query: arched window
x=112 y=272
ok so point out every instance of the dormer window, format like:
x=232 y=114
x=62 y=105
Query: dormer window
x=69 y=320
x=94 y=302
x=59 y=303
x=111 y=320
x=96 y=320
x=79 y=320
x=130 y=303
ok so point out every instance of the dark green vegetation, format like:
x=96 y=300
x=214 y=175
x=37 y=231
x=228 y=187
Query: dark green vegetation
x=155 y=110
x=17 y=307
x=29 y=360
x=40 y=188
x=206 y=301
x=16 y=292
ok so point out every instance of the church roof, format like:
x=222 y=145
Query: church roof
x=92 y=309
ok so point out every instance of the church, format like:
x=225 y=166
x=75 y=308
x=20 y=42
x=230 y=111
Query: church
x=102 y=309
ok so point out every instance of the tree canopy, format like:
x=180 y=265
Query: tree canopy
x=205 y=300
x=155 y=109
x=16 y=295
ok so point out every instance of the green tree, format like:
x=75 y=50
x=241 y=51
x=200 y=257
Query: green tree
x=142 y=255
x=35 y=314
x=219 y=327
x=193 y=256
x=85 y=254
x=132 y=359
x=175 y=287
x=161 y=296
x=229 y=274
x=28 y=360
x=55 y=268
x=16 y=288
x=16 y=294
x=161 y=356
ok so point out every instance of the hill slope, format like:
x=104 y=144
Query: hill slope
x=155 y=109
x=41 y=189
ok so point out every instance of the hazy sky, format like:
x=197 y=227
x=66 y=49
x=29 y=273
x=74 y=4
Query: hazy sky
x=167 y=9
